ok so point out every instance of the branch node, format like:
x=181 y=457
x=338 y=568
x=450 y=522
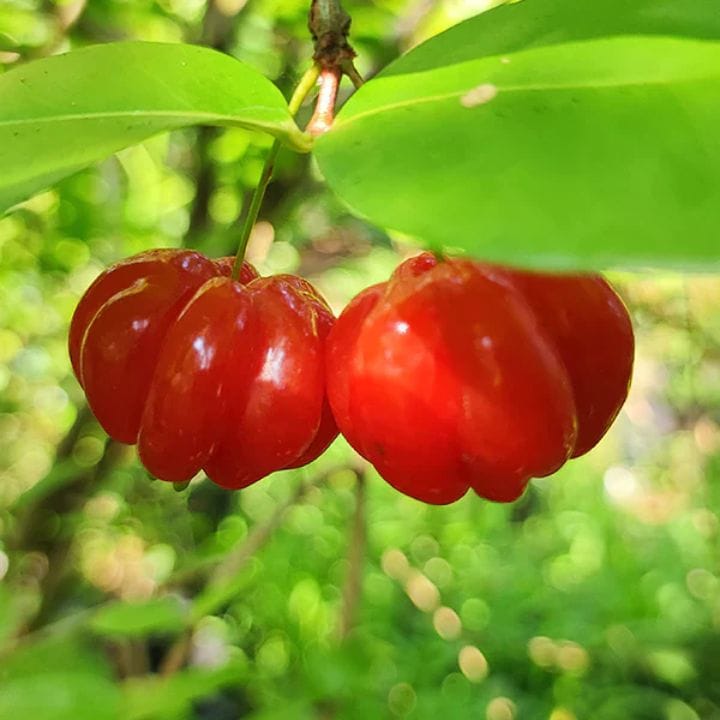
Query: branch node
x=329 y=26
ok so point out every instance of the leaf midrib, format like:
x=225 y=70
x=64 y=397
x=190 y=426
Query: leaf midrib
x=574 y=87
x=144 y=113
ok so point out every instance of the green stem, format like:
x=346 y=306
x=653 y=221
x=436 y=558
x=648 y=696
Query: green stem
x=305 y=86
x=307 y=82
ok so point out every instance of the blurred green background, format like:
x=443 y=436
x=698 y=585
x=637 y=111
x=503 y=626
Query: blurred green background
x=311 y=594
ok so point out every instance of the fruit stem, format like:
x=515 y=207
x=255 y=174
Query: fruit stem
x=305 y=86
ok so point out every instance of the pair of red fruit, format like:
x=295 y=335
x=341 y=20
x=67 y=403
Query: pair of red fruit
x=452 y=375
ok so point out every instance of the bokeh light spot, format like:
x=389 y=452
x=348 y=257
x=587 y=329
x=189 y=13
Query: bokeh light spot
x=447 y=623
x=500 y=708
x=473 y=664
x=422 y=592
x=395 y=564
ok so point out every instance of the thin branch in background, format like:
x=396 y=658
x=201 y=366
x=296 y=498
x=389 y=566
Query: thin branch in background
x=32 y=505
x=221 y=586
x=352 y=589
x=177 y=655
x=256 y=539
x=130 y=657
x=61 y=499
x=64 y=503
x=120 y=655
x=138 y=656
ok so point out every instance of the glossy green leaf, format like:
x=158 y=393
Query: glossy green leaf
x=156 y=616
x=536 y=23
x=595 y=153
x=63 y=113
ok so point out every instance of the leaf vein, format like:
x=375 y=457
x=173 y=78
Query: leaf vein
x=518 y=88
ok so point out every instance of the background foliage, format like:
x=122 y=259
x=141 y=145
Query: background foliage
x=596 y=596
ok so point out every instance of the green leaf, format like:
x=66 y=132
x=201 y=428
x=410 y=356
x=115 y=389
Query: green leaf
x=63 y=113
x=60 y=696
x=603 y=152
x=53 y=654
x=157 y=616
x=536 y=23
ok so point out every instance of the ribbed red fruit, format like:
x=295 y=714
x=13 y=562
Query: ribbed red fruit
x=456 y=374
x=203 y=371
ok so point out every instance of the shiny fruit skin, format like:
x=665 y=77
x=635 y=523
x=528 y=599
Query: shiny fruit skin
x=457 y=375
x=591 y=330
x=203 y=371
x=276 y=386
x=118 y=326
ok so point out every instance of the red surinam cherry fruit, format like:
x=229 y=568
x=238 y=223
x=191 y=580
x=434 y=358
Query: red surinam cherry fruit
x=456 y=375
x=203 y=371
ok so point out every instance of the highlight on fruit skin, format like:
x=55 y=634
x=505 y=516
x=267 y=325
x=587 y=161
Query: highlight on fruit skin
x=203 y=371
x=456 y=374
